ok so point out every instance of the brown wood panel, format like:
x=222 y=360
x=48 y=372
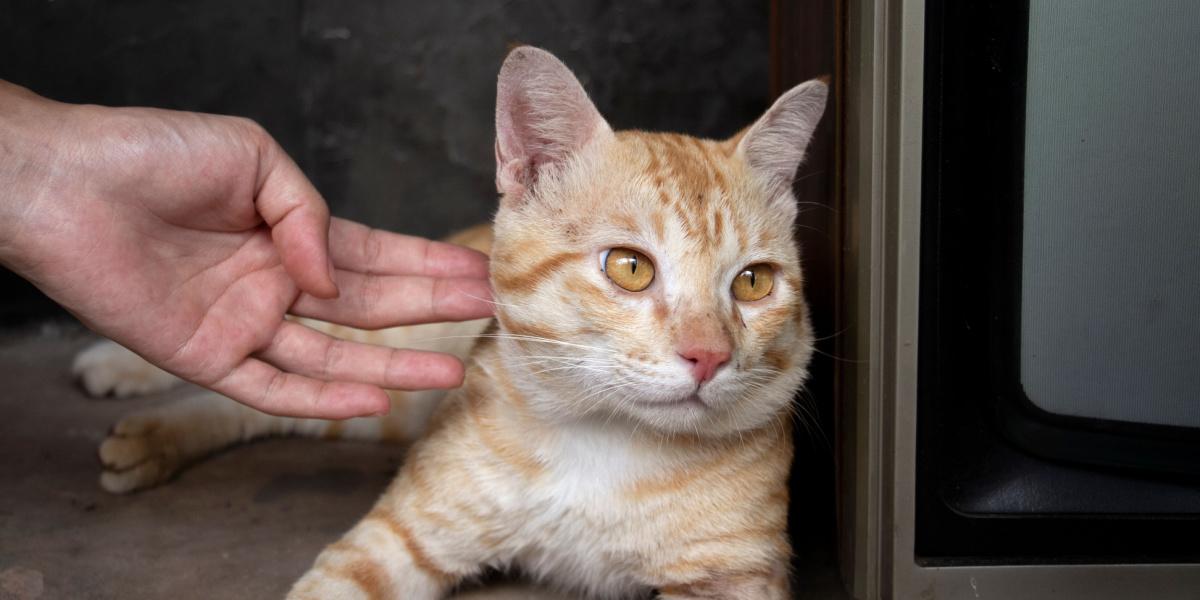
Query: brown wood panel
x=806 y=41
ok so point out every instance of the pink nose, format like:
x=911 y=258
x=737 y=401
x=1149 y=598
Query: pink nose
x=704 y=361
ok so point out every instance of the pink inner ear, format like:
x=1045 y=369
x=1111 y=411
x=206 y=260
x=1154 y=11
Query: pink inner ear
x=510 y=175
x=774 y=146
x=542 y=117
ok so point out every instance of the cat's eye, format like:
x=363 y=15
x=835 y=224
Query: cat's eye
x=629 y=269
x=753 y=283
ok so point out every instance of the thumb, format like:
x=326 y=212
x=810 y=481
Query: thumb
x=299 y=221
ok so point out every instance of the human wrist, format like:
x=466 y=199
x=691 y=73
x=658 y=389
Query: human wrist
x=37 y=147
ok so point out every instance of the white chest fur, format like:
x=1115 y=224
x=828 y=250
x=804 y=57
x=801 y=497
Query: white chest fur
x=579 y=528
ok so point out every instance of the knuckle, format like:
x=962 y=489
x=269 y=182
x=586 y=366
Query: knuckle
x=334 y=350
x=372 y=250
x=370 y=297
x=272 y=391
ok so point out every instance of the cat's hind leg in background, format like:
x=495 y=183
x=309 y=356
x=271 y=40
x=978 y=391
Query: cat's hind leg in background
x=106 y=367
x=148 y=447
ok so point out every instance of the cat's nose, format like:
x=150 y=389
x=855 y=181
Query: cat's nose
x=704 y=361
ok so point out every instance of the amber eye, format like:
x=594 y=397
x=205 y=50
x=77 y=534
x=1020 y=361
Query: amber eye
x=753 y=283
x=629 y=269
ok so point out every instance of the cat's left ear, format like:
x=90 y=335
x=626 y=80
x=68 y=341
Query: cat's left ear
x=774 y=145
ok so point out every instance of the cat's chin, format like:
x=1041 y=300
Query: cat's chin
x=685 y=414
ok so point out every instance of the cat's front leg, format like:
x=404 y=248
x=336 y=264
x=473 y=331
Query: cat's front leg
x=390 y=554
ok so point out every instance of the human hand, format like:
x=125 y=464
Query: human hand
x=187 y=238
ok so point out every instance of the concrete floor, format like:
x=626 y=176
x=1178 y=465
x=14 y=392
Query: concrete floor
x=243 y=524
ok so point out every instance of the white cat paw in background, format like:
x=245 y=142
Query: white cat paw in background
x=106 y=368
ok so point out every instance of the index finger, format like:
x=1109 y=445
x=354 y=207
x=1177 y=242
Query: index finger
x=356 y=247
x=298 y=218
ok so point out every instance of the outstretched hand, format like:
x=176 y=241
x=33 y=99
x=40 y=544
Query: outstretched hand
x=188 y=238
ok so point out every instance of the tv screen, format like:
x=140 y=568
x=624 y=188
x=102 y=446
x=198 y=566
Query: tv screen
x=1059 y=408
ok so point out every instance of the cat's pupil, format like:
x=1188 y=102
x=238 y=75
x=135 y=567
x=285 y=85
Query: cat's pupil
x=751 y=272
x=633 y=265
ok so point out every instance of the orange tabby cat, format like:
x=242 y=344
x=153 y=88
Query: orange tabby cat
x=625 y=422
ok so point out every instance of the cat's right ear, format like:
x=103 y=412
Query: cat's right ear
x=543 y=116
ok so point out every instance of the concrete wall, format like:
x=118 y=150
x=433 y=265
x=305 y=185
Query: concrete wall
x=387 y=104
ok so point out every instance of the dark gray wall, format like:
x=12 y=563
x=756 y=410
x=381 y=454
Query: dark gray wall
x=387 y=104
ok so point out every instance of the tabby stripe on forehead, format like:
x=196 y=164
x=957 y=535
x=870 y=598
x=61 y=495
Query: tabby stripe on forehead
x=715 y=168
x=658 y=169
x=692 y=180
x=656 y=221
x=655 y=171
x=692 y=170
x=705 y=163
x=718 y=225
x=687 y=221
x=529 y=280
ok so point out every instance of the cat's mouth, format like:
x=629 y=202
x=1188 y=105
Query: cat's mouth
x=692 y=400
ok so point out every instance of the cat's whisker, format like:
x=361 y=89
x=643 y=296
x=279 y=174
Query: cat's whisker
x=492 y=302
x=568 y=367
x=564 y=362
x=814 y=348
x=604 y=394
x=539 y=339
x=810 y=420
x=526 y=359
x=832 y=335
x=807 y=175
x=519 y=337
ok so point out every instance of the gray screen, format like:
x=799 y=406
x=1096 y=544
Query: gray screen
x=1110 y=299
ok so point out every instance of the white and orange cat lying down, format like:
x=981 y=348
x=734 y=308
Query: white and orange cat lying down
x=625 y=424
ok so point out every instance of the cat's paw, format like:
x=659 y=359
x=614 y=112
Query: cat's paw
x=140 y=452
x=108 y=368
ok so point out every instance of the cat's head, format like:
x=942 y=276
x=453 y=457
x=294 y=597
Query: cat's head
x=647 y=277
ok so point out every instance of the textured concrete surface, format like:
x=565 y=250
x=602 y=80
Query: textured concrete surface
x=243 y=524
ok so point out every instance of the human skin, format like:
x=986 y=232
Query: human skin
x=188 y=237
